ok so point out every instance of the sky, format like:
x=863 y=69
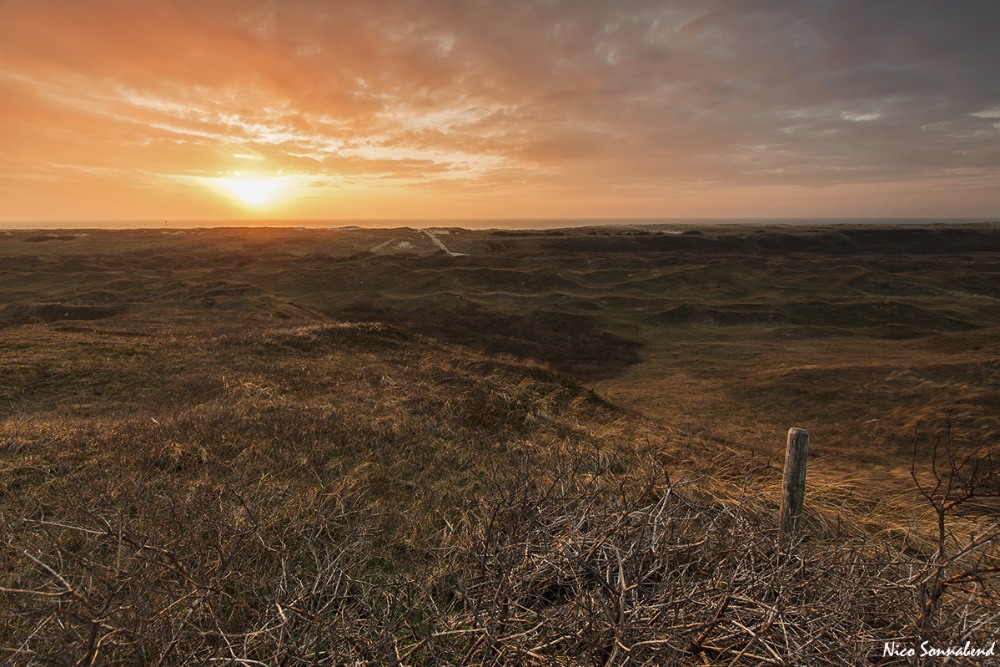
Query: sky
x=439 y=109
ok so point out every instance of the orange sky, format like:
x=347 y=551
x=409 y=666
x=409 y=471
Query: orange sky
x=309 y=109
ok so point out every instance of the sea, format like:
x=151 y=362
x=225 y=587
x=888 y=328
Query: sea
x=476 y=223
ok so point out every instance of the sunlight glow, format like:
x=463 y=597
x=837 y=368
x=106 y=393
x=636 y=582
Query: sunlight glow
x=256 y=192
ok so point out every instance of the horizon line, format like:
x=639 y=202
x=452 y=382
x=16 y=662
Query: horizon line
x=158 y=221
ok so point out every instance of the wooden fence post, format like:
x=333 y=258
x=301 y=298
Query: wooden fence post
x=793 y=487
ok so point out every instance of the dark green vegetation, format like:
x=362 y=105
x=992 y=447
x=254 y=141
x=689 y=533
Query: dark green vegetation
x=327 y=446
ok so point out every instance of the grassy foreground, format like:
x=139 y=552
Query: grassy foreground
x=195 y=472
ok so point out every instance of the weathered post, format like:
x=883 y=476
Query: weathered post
x=793 y=488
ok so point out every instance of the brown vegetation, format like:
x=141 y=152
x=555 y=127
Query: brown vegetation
x=221 y=473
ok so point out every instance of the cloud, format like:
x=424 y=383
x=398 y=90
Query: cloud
x=568 y=95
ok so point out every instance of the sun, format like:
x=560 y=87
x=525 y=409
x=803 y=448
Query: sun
x=255 y=192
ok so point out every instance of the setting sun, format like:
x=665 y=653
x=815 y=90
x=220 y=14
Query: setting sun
x=255 y=192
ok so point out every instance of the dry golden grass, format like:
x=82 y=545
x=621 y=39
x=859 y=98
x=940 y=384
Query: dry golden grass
x=219 y=472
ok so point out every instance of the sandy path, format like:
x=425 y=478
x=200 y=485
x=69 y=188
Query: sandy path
x=438 y=243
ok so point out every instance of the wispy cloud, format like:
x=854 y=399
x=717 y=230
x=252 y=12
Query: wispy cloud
x=592 y=99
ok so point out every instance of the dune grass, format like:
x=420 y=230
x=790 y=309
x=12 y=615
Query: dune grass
x=348 y=492
x=222 y=472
